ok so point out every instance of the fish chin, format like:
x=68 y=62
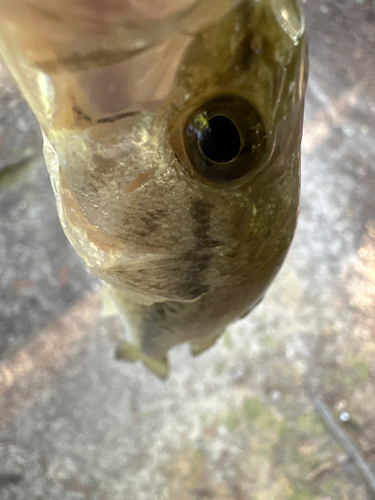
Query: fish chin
x=175 y=161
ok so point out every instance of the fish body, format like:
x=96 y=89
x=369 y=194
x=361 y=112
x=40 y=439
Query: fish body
x=173 y=145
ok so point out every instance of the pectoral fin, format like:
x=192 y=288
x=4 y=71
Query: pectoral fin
x=128 y=352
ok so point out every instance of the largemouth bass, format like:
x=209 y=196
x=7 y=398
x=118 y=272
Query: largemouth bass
x=172 y=136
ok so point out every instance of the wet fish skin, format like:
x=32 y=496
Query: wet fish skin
x=187 y=245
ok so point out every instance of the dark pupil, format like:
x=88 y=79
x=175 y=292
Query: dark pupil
x=221 y=141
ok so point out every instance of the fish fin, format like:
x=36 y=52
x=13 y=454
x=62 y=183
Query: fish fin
x=128 y=352
x=199 y=345
x=109 y=307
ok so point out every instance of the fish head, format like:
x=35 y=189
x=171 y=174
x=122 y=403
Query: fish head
x=173 y=147
x=197 y=191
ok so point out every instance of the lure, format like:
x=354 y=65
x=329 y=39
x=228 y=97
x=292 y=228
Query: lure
x=172 y=135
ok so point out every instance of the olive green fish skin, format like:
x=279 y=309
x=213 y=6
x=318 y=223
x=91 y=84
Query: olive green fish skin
x=186 y=255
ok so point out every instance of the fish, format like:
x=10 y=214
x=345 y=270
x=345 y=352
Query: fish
x=172 y=135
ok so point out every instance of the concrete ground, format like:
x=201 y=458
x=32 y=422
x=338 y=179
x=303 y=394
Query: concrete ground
x=281 y=408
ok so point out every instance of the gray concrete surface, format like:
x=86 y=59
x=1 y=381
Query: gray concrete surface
x=241 y=421
x=20 y=137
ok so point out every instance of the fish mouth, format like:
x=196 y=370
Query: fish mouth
x=101 y=34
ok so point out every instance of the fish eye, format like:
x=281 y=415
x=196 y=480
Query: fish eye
x=225 y=139
x=220 y=141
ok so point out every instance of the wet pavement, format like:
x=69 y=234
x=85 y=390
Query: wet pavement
x=282 y=407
